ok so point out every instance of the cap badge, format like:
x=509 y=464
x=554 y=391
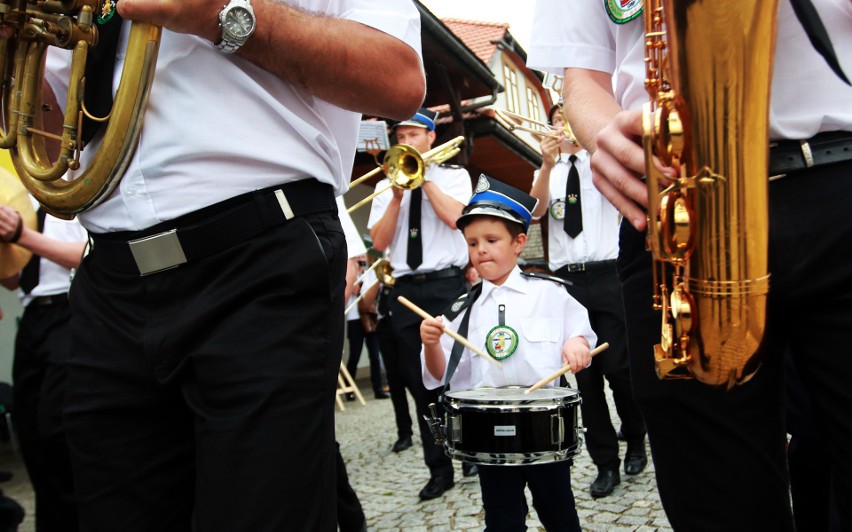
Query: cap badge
x=482 y=185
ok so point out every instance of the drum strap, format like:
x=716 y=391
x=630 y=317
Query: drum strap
x=458 y=348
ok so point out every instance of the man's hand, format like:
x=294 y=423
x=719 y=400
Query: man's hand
x=550 y=149
x=618 y=165
x=11 y=224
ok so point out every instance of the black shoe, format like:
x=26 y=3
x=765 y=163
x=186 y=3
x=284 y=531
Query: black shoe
x=469 y=470
x=382 y=395
x=5 y=476
x=635 y=461
x=605 y=483
x=350 y=396
x=403 y=443
x=436 y=487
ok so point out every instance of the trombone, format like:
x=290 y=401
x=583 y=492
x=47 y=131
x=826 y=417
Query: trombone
x=384 y=276
x=536 y=127
x=406 y=167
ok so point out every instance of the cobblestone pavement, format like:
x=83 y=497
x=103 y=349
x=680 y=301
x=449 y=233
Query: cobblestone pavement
x=388 y=483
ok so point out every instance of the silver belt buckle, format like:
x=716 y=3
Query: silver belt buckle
x=158 y=252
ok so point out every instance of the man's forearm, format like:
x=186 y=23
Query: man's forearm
x=447 y=208
x=343 y=62
x=541 y=190
x=593 y=105
x=340 y=61
x=382 y=232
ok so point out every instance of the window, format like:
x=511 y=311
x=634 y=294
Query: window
x=532 y=105
x=510 y=80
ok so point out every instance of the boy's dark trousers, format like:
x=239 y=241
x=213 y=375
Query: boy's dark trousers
x=506 y=505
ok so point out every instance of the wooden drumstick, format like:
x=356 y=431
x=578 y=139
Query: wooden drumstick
x=453 y=334
x=563 y=371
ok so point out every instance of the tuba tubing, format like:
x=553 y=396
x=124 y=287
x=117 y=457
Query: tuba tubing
x=48 y=182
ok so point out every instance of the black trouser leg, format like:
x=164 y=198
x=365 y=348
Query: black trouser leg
x=40 y=376
x=396 y=382
x=204 y=395
x=711 y=448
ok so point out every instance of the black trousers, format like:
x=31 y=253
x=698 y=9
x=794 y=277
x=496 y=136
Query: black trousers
x=506 y=505
x=599 y=290
x=395 y=376
x=720 y=456
x=357 y=337
x=42 y=349
x=433 y=296
x=202 y=397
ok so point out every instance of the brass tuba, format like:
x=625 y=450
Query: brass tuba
x=69 y=24
x=708 y=72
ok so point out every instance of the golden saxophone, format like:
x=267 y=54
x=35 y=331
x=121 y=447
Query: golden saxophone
x=709 y=72
x=69 y=24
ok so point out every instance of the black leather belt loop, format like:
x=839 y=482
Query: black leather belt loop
x=42 y=301
x=788 y=156
x=213 y=228
x=446 y=273
x=586 y=266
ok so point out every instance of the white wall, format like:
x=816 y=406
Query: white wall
x=8 y=328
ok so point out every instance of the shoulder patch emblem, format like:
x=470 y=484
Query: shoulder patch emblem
x=623 y=11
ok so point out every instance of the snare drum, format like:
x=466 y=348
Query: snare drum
x=504 y=426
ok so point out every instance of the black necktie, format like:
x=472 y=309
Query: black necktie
x=100 y=65
x=29 y=275
x=415 y=238
x=573 y=222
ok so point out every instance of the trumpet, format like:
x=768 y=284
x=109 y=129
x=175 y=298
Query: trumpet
x=537 y=128
x=405 y=167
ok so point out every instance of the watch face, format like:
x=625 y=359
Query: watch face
x=238 y=22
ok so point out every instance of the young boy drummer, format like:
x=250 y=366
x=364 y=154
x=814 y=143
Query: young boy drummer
x=532 y=325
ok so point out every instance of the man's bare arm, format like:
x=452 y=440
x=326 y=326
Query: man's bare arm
x=340 y=61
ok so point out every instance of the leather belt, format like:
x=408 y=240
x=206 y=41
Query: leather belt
x=788 y=156
x=212 y=229
x=586 y=266
x=446 y=273
x=42 y=301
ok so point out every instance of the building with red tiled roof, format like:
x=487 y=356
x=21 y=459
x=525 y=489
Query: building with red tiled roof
x=480 y=37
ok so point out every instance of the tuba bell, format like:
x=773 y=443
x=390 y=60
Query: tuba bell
x=69 y=24
x=708 y=73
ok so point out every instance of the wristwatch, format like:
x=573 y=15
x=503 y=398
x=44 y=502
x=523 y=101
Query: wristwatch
x=237 y=23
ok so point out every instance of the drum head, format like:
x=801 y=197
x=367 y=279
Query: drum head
x=513 y=395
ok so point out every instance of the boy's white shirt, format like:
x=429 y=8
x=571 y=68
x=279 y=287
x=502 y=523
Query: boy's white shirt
x=542 y=313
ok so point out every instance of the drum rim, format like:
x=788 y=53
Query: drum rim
x=516 y=459
x=570 y=396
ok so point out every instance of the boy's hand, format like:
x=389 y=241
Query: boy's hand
x=431 y=330
x=576 y=353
